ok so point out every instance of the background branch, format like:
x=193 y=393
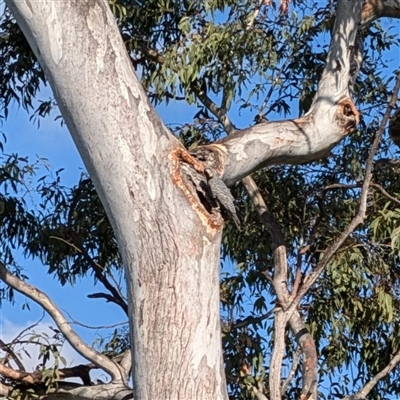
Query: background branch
x=115 y=297
x=71 y=336
x=363 y=393
x=359 y=218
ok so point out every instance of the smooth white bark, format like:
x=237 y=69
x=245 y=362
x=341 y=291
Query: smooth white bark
x=170 y=254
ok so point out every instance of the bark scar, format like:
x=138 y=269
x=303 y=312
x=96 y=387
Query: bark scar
x=347 y=115
x=177 y=156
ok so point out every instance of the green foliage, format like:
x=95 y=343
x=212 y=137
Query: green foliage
x=21 y=74
x=181 y=48
x=48 y=360
x=67 y=229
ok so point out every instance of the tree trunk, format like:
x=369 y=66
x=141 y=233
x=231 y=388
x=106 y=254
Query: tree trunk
x=171 y=254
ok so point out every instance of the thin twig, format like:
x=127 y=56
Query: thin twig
x=342 y=186
x=278 y=351
x=99 y=273
x=16 y=339
x=219 y=112
x=298 y=276
x=72 y=321
x=385 y=193
x=253 y=320
x=254 y=16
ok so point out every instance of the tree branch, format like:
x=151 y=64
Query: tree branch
x=254 y=320
x=277 y=355
x=259 y=394
x=219 y=112
x=24 y=377
x=374 y=9
x=280 y=285
x=385 y=193
x=73 y=391
x=6 y=348
x=74 y=340
x=293 y=369
x=33 y=378
x=363 y=393
x=296 y=324
x=73 y=321
x=100 y=275
x=359 y=218
x=125 y=361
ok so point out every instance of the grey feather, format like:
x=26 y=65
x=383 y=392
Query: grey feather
x=222 y=194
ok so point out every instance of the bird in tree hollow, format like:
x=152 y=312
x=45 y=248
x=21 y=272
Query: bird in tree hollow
x=221 y=193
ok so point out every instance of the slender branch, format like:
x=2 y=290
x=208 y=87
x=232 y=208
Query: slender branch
x=363 y=393
x=10 y=353
x=16 y=340
x=259 y=394
x=32 y=378
x=126 y=361
x=293 y=369
x=99 y=273
x=296 y=323
x=280 y=285
x=275 y=80
x=71 y=336
x=101 y=295
x=21 y=376
x=77 y=196
x=254 y=320
x=277 y=355
x=359 y=218
x=297 y=278
x=335 y=186
x=28 y=328
x=73 y=321
x=387 y=161
x=151 y=54
x=254 y=15
x=72 y=390
x=385 y=193
x=219 y=112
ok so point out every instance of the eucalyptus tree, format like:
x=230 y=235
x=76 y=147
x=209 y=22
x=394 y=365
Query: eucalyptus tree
x=317 y=253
